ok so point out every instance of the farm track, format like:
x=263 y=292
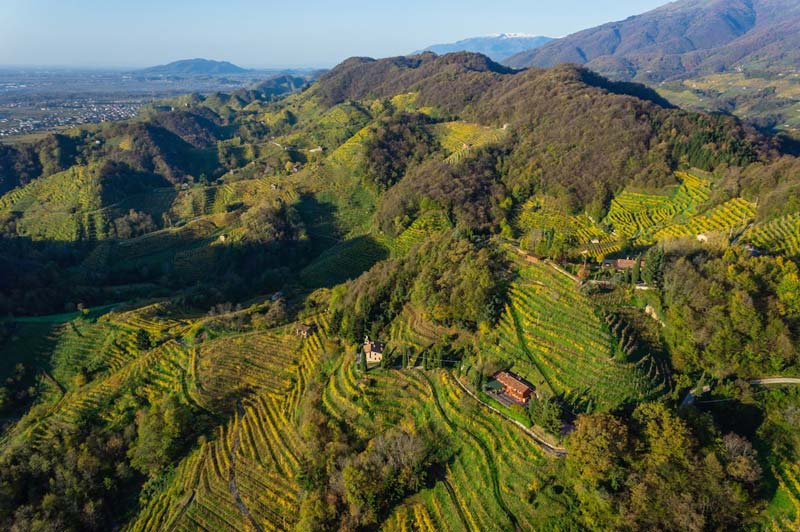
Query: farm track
x=452 y=493
x=548 y=448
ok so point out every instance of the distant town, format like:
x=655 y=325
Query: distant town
x=22 y=118
x=36 y=99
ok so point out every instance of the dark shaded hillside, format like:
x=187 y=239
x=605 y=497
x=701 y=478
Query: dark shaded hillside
x=432 y=75
x=684 y=38
x=279 y=85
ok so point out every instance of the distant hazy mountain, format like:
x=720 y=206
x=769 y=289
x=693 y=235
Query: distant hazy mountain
x=497 y=47
x=196 y=67
x=683 y=38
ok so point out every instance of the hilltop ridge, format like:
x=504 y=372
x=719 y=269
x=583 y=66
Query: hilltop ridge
x=681 y=39
x=195 y=67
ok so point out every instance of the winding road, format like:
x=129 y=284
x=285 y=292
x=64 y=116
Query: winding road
x=763 y=381
x=547 y=447
x=774 y=380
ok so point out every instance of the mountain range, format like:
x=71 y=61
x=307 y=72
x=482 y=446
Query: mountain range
x=682 y=39
x=497 y=47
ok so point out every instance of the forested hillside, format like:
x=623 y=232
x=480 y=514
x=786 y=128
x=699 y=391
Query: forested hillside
x=682 y=39
x=421 y=293
x=725 y=56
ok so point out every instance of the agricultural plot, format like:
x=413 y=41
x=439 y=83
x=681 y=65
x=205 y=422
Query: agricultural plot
x=245 y=477
x=343 y=261
x=338 y=184
x=248 y=192
x=410 y=329
x=146 y=376
x=542 y=212
x=164 y=240
x=459 y=138
x=246 y=362
x=486 y=483
x=725 y=217
x=351 y=152
x=153 y=318
x=640 y=216
x=555 y=339
x=408 y=103
x=63 y=207
x=337 y=125
x=779 y=236
x=79 y=346
x=787 y=498
x=637 y=217
x=71 y=188
x=422 y=228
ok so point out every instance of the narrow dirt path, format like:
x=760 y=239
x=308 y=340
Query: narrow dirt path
x=452 y=493
x=546 y=447
x=232 y=474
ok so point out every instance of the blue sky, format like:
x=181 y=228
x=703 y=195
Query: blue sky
x=253 y=33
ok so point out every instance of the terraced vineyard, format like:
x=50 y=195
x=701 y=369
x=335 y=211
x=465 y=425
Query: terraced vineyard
x=459 y=138
x=423 y=227
x=487 y=483
x=58 y=207
x=350 y=152
x=581 y=363
x=411 y=329
x=788 y=477
x=542 y=212
x=725 y=217
x=243 y=478
x=639 y=216
x=343 y=261
x=646 y=218
x=779 y=236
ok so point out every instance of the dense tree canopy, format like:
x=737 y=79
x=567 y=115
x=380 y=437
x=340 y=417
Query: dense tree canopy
x=733 y=314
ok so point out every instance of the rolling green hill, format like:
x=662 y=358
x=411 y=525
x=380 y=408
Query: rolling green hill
x=185 y=297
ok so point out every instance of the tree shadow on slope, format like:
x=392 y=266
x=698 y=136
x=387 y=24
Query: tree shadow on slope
x=344 y=261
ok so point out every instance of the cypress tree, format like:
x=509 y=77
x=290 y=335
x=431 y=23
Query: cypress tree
x=636 y=271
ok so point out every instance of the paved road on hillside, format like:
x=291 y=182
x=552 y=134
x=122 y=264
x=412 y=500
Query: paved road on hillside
x=764 y=381
x=775 y=380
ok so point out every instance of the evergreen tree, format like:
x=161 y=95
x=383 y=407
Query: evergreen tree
x=636 y=271
x=653 y=269
x=143 y=342
x=361 y=359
